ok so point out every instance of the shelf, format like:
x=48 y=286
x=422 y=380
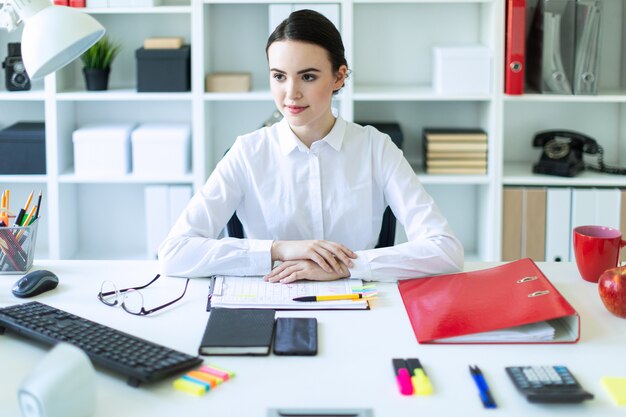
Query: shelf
x=270 y=1
x=419 y=1
x=604 y=97
x=72 y=178
x=371 y=92
x=247 y=96
x=139 y=10
x=31 y=95
x=454 y=179
x=24 y=179
x=520 y=173
x=123 y=94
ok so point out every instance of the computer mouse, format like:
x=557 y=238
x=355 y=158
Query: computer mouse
x=35 y=283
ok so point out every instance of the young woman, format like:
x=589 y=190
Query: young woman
x=310 y=190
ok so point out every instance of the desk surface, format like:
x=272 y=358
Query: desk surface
x=352 y=368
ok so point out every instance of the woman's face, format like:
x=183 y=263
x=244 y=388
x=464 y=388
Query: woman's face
x=302 y=82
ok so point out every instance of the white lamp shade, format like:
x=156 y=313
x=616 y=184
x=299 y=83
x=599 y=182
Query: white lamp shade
x=54 y=37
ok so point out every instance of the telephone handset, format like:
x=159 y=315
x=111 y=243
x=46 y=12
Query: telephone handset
x=563 y=154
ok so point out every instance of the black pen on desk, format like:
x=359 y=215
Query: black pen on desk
x=483 y=388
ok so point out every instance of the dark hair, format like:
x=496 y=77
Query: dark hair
x=312 y=27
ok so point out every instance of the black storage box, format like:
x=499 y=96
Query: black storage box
x=164 y=70
x=23 y=148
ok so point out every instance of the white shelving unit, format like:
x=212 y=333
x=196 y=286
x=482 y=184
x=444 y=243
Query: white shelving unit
x=388 y=46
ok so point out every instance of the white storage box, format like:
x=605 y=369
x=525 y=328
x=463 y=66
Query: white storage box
x=102 y=149
x=462 y=69
x=161 y=149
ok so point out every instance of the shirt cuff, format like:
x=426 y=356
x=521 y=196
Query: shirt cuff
x=260 y=255
x=360 y=267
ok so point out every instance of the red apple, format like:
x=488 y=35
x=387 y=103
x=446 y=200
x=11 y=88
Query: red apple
x=612 y=289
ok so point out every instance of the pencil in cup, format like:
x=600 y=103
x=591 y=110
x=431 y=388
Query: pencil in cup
x=17 y=248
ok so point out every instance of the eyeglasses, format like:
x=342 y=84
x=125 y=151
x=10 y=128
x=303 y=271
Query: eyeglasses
x=131 y=299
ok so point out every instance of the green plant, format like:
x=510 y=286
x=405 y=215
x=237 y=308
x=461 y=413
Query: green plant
x=101 y=54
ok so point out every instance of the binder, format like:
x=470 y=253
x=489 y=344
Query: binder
x=512 y=202
x=587 y=46
x=534 y=237
x=550 y=49
x=470 y=307
x=558 y=231
x=515 y=66
x=595 y=206
x=157 y=217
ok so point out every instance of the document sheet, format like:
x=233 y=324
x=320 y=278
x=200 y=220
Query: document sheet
x=253 y=292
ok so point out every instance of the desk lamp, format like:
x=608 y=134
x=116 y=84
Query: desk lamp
x=53 y=36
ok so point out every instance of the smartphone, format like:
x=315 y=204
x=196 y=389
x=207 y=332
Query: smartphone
x=296 y=336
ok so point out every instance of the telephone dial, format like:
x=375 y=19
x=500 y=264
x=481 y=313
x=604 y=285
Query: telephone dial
x=563 y=154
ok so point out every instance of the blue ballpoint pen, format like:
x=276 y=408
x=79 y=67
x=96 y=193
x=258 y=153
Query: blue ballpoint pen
x=483 y=388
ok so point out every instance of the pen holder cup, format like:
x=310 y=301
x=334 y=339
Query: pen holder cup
x=17 y=248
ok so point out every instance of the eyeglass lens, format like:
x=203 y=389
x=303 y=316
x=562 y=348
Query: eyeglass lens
x=133 y=302
x=109 y=293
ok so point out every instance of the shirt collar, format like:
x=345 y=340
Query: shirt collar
x=289 y=141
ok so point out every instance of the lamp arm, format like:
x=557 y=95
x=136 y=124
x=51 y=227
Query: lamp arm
x=9 y=19
x=14 y=12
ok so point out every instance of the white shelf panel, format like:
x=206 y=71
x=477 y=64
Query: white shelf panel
x=268 y=1
x=139 y=10
x=71 y=178
x=448 y=179
x=420 y=1
x=247 y=96
x=31 y=95
x=520 y=173
x=454 y=179
x=604 y=97
x=24 y=179
x=371 y=92
x=123 y=94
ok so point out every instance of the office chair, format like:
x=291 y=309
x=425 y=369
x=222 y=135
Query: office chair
x=386 y=237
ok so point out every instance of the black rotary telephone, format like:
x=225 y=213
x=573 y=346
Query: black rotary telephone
x=563 y=154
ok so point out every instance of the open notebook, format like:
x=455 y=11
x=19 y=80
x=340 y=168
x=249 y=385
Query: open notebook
x=253 y=292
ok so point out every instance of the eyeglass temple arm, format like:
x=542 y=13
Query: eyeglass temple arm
x=104 y=294
x=167 y=304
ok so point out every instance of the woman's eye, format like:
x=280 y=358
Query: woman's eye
x=278 y=76
x=309 y=77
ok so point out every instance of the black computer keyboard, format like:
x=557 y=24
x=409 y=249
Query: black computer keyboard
x=138 y=359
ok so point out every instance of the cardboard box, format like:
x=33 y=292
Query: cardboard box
x=160 y=149
x=102 y=149
x=23 y=148
x=174 y=42
x=462 y=69
x=228 y=82
x=164 y=70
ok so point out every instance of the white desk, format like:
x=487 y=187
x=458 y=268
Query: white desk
x=353 y=367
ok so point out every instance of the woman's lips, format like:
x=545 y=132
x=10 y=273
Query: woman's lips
x=295 y=109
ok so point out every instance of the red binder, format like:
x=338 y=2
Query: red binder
x=515 y=47
x=445 y=307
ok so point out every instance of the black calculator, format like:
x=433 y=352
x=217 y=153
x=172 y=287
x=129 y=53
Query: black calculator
x=547 y=384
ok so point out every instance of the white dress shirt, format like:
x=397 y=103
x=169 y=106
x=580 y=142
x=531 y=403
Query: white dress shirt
x=337 y=190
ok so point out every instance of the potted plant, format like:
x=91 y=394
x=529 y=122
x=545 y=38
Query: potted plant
x=97 y=63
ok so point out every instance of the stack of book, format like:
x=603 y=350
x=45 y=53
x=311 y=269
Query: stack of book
x=455 y=151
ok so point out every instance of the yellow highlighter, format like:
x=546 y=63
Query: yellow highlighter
x=421 y=383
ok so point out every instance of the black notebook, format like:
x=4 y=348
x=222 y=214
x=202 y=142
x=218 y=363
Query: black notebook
x=238 y=332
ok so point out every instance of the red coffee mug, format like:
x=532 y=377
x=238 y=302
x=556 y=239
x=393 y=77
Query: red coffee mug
x=596 y=249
